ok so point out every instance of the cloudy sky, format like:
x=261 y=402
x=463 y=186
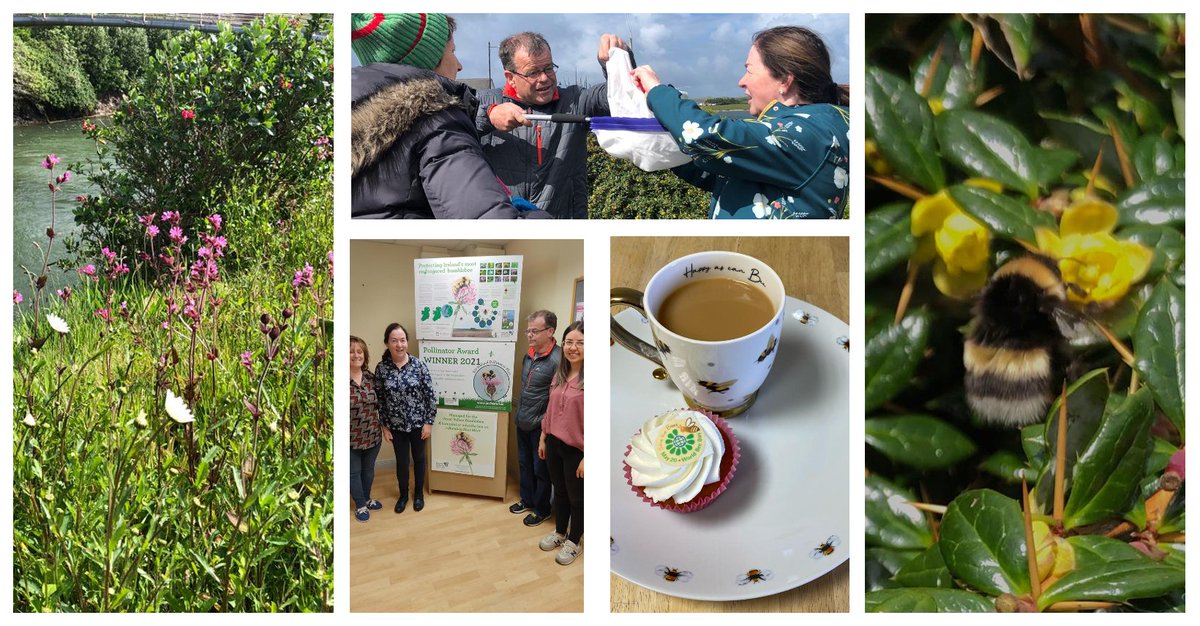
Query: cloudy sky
x=702 y=54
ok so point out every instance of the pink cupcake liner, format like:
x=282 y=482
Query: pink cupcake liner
x=729 y=463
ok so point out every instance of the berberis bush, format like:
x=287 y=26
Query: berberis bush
x=172 y=413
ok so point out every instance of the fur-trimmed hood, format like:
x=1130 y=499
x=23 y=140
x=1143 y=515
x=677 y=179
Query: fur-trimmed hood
x=389 y=99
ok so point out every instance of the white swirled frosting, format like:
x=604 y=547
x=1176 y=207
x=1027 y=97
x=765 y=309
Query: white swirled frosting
x=662 y=480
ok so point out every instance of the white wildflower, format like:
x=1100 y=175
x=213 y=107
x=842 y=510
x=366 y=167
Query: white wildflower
x=29 y=421
x=178 y=409
x=58 y=323
x=140 y=420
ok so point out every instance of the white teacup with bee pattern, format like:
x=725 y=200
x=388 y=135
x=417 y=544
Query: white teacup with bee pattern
x=716 y=318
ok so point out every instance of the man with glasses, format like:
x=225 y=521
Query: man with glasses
x=537 y=372
x=544 y=162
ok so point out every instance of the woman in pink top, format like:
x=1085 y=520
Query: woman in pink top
x=561 y=447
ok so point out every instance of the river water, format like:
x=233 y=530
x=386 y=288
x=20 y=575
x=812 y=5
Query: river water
x=31 y=196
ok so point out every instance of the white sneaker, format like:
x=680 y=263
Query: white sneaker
x=567 y=554
x=551 y=541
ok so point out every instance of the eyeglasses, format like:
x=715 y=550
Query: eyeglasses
x=571 y=343
x=534 y=331
x=549 y=70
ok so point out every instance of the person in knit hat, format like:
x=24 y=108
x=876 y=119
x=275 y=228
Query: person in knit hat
x=414 y=150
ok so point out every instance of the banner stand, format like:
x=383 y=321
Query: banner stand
x=477 y=485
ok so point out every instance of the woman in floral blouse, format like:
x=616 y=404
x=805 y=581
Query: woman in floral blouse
x=407 y=404
x=366 y=434
x=789 y=161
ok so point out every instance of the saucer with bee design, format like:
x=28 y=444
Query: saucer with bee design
x=784 y=519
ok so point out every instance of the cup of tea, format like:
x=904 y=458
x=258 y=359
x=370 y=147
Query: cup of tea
x=717 y=319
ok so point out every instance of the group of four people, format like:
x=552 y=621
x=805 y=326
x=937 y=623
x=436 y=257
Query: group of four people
x=398 y=403
x=425 y=146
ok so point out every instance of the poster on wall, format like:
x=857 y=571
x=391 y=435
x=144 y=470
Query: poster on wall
x=464 y=442
x=471 y=374
x=473 y=298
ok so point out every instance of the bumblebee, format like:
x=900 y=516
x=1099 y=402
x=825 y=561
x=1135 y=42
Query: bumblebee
x=755 y=576
x=769 y=349
x=826 y=549
x=1014 y=350
x=716 y=387
x=671 y=574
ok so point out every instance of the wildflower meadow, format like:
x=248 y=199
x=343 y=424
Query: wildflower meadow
x=991 y=138
x=173 y=417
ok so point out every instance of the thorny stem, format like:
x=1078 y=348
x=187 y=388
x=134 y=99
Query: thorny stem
x=1035 y=582
x=1122 y=156
x=931 y=72
x=907 y=291
x=1126 y=353
x=1095 y=169
x=904 y=189
x=1060 y=460
x=1075 y=607
x=937 y=509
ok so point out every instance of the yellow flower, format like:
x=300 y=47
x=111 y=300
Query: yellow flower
x=957 y=243
x=1100 y=265
x=1055 y=557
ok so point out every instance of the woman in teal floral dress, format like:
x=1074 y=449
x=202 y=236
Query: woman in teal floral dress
x=791 y=159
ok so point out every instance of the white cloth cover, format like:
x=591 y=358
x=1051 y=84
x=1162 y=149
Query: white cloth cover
x=649 y=151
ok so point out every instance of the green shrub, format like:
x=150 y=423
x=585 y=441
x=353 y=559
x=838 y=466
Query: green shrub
x=619 y=190
x=216 y=115
x=48 y=77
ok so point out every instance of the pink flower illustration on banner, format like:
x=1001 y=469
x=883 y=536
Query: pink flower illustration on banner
x=491 y=381
x=464 y=293
x=464 y=447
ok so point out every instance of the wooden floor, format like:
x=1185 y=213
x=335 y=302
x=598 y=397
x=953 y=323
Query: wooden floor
x=460 y=554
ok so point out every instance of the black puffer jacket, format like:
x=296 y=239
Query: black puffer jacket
x=415 y=151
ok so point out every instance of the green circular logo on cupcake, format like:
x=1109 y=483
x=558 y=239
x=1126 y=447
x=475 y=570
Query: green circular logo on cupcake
x=680 y=443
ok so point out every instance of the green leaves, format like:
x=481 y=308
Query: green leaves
x=927 y=569
x=901 y=123
x=983 y=542
x=1004 y=216
x=892 y=356
x=1157 y=201
x=1158 y=342
x=926 y=601
x=989 y=147
x=1105 y=476
x=1110 y=570
x=891 y=520
x=920 y=441
x=889 y=237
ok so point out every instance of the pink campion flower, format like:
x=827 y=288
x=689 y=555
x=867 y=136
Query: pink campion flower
x=204 y=252
x=65 y=177
x=109 y=255
x=120 y=269
x=50 y=161
x=18 y=298
x=187 y=114
x=248 y=362
x=104 y=314
x=123 y=310
x=169 y=216
x=64 y=294
x=88 y=270
x=152 y=231
x=176 y=234
x=215 y=220
x=81 y=198
x=166 y=325
x=147 y=219
x=304 y=277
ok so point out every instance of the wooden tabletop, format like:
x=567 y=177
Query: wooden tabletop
x=813 y=269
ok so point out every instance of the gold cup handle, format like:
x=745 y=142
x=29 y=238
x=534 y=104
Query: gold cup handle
x=624 y=296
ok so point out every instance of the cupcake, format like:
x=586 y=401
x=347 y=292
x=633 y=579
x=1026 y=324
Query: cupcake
x=681 y=460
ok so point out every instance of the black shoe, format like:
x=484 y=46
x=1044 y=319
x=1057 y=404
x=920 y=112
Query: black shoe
x=401 y=503
x=418 y=503
x=533 y=519
x=518 y=508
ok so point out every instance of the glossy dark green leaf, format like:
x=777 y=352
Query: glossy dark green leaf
x=925 y=570
x=1086 y=398
x=1153 y=157
x=1104 y=478
x=901 y=123
x=889 y=237
x=1158 y=342
x=1108 y=570
x=1018 y=29
x=891 y=520
x=892 y=355
x=883 y=563
x=1157 y=201
x=1006 y=465
x=1165 y=241
x=983 y=542
x=919 y=441
x=927 y=601
x=1003 y=215
x=955 y=82
x=1052 y=163
x=988 y=147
